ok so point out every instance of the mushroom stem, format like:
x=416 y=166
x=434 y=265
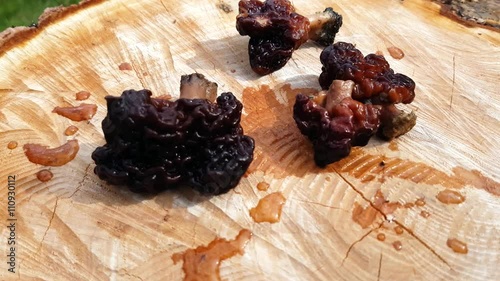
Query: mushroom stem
x=394 y=122
x=339 y=90
x=324 y=26
x=196 y=86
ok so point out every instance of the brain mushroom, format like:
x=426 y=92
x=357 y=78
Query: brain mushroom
x=276 y=30
x=374 y=80
x=155 y=144
x=334 y=122
x=358 y=101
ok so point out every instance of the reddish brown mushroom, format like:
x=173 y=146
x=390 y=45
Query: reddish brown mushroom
x=359 y=102
x=276 y=30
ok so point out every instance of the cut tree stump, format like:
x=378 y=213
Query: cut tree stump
x=76 y=227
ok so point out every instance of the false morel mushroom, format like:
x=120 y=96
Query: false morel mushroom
x=359 y=102
x=276 y=30
x=374 y=80
x=155 y=144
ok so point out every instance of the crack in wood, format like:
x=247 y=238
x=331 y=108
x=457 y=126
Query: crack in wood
x=395 y=221
x=423 y=243
x=296 y=64
x=48 y=227
x=319 y=204
x=80 y=183
x=359 y=240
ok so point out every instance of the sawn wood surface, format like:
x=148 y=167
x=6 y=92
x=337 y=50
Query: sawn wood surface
x=76 y=227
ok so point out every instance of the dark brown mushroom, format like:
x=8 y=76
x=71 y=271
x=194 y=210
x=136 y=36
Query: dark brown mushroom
x=155 y=144
x=276 y=30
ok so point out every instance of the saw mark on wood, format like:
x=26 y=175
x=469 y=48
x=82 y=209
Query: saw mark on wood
x=379 y=267
x=395 y=221
x=165 y=7
x=281 y=138
x=275 y=134
x=319 y=268
x=19 y=271
x=294 y=260
x=31 y=195
x=453 y=83
x=48 y=227
x=193 y=238
x=131 y=275
x=88 y=262
x=364 y=166
x=137 y=73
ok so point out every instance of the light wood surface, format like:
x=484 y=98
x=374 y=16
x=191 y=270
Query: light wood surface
x=75 y=227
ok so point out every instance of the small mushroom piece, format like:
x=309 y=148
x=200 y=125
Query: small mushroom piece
x=324 y=26
x=395 y=122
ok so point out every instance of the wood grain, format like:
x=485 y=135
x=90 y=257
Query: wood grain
x=75 y=227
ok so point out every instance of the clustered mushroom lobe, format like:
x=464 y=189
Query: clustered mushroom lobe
x=358 y=103
x=156 y=144
x=375 y=81
x=276 y=30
